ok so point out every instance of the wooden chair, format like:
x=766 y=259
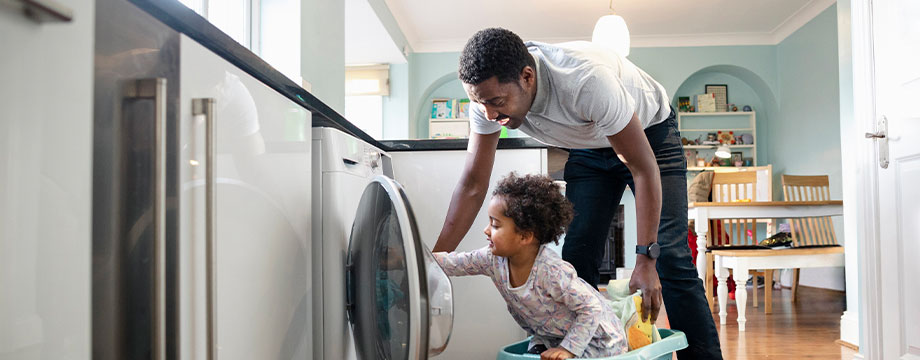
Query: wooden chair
x=732 y=233
x=810 y=231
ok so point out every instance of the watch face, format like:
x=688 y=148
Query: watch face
x=654 y=250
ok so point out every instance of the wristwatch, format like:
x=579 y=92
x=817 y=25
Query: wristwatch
x=651 y=251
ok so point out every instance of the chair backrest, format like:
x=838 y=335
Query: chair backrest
x=809 y=231
x=764 y=191
x=729 y=187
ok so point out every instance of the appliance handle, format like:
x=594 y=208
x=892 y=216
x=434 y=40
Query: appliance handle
x=155 y=89
x=42 y=11
x=205 y=106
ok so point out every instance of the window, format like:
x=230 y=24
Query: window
x=365 y=87
x=277 y=41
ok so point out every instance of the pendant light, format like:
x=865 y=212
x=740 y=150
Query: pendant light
x=611 y=31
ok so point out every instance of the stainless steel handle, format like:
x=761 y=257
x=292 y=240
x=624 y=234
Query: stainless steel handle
x=206 y=107
x=155 y=89
x=881 y=137
x=42 y=11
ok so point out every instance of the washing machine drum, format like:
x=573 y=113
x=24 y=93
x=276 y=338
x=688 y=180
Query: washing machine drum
x=400 y=304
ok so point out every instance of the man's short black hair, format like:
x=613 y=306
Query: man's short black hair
x=494 y=52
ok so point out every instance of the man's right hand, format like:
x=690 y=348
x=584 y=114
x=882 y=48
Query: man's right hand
x=470 y=191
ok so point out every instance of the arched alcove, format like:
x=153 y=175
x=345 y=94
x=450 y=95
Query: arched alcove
x=446 y=86
x=744 y=88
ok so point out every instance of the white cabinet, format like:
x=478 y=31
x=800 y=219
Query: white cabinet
x=482 y=324
x=262 y=198
x=46 y=150
x=699 y=125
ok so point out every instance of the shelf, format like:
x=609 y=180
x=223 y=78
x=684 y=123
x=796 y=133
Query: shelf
x=748 y=146
x=714 y=168
x=730 y=113
x=715 y=130
x=451 y=119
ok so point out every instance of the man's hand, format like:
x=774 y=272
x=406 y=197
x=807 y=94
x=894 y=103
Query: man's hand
x=556 y=353
x=645 y=277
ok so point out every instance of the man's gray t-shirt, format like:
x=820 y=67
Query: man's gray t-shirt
x=585 y=93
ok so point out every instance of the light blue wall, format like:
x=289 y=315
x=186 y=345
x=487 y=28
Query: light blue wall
x=322 y=54
x=396 y=105
x=806 y=134
x=793 y=86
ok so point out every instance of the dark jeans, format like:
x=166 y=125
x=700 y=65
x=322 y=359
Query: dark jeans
x=595 y=181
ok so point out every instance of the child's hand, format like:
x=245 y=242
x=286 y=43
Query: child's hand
x=556 y=353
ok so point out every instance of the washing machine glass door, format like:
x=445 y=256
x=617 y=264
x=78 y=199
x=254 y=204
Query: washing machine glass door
x=400 y=304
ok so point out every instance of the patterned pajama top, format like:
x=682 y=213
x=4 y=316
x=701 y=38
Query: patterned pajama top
x=554 y=305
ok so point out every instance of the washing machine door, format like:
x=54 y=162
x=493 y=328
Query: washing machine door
x=400 y=303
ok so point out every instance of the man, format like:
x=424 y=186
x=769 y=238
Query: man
x=621 y=130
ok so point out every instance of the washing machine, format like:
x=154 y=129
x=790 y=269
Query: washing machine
x=378 y=292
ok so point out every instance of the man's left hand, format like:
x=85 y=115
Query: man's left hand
x=645 y=278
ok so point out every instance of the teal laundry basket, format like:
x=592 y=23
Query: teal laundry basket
x=671 y=341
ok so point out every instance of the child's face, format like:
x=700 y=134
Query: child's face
x=504 y=239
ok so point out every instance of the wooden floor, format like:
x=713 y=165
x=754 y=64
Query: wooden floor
x=806 y=329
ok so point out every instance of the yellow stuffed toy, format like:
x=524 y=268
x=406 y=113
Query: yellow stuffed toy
x=638 y=332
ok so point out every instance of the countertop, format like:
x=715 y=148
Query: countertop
x=187 y=21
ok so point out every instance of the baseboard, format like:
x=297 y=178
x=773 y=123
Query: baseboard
x=846 y=345
x=849 y=329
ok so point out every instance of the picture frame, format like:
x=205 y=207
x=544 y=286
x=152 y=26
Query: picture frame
x=737 y=157
x=721 y=95
x=441 y=109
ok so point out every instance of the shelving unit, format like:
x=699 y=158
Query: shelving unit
x=448 y=128
x=692 y=125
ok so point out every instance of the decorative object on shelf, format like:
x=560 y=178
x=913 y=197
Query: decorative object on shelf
x=739 y=140
x=747 y=108
x=441 y=109
x=684 y=141
x=715 y=162
x=706 y=102
x=692 y=109
x=463 y=108
x=726 y=161
x=711 y=139
x=748 y=138
x=690 y=155
x=700 y=162
x=734 y=108
x=748 y=161
x=683 y=103
x=720 y=95
x=737 y=158
x=726 y=137
x=723 y=152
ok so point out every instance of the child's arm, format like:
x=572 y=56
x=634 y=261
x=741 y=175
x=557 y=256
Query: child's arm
x=564 y=286
x=476 y=262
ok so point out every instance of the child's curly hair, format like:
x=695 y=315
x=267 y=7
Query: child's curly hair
x=536 y=204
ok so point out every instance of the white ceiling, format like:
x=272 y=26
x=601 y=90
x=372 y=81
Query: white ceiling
x=444 y=25
x=366 y=40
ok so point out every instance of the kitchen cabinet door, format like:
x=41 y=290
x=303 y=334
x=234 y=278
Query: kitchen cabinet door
x=261 y=209
x=46 y=150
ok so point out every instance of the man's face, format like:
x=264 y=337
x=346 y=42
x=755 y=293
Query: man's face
x=505 y=103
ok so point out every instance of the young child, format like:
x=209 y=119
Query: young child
x=566 y=316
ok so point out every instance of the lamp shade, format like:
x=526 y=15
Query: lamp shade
x=723 y=152
x=611 y=31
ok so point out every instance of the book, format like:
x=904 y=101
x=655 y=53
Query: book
x=463 y=109
x=706 y=103
x=441 y=109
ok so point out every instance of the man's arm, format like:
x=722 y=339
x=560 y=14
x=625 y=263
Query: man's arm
x=633 y=148
x=470 y=191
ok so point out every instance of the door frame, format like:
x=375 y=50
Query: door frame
x=866 y=210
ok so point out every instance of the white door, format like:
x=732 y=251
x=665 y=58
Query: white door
x=897 y=52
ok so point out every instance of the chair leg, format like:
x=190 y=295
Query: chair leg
x=707 y=283
x=754 y=279
x=795 y=283
x=768 y=291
